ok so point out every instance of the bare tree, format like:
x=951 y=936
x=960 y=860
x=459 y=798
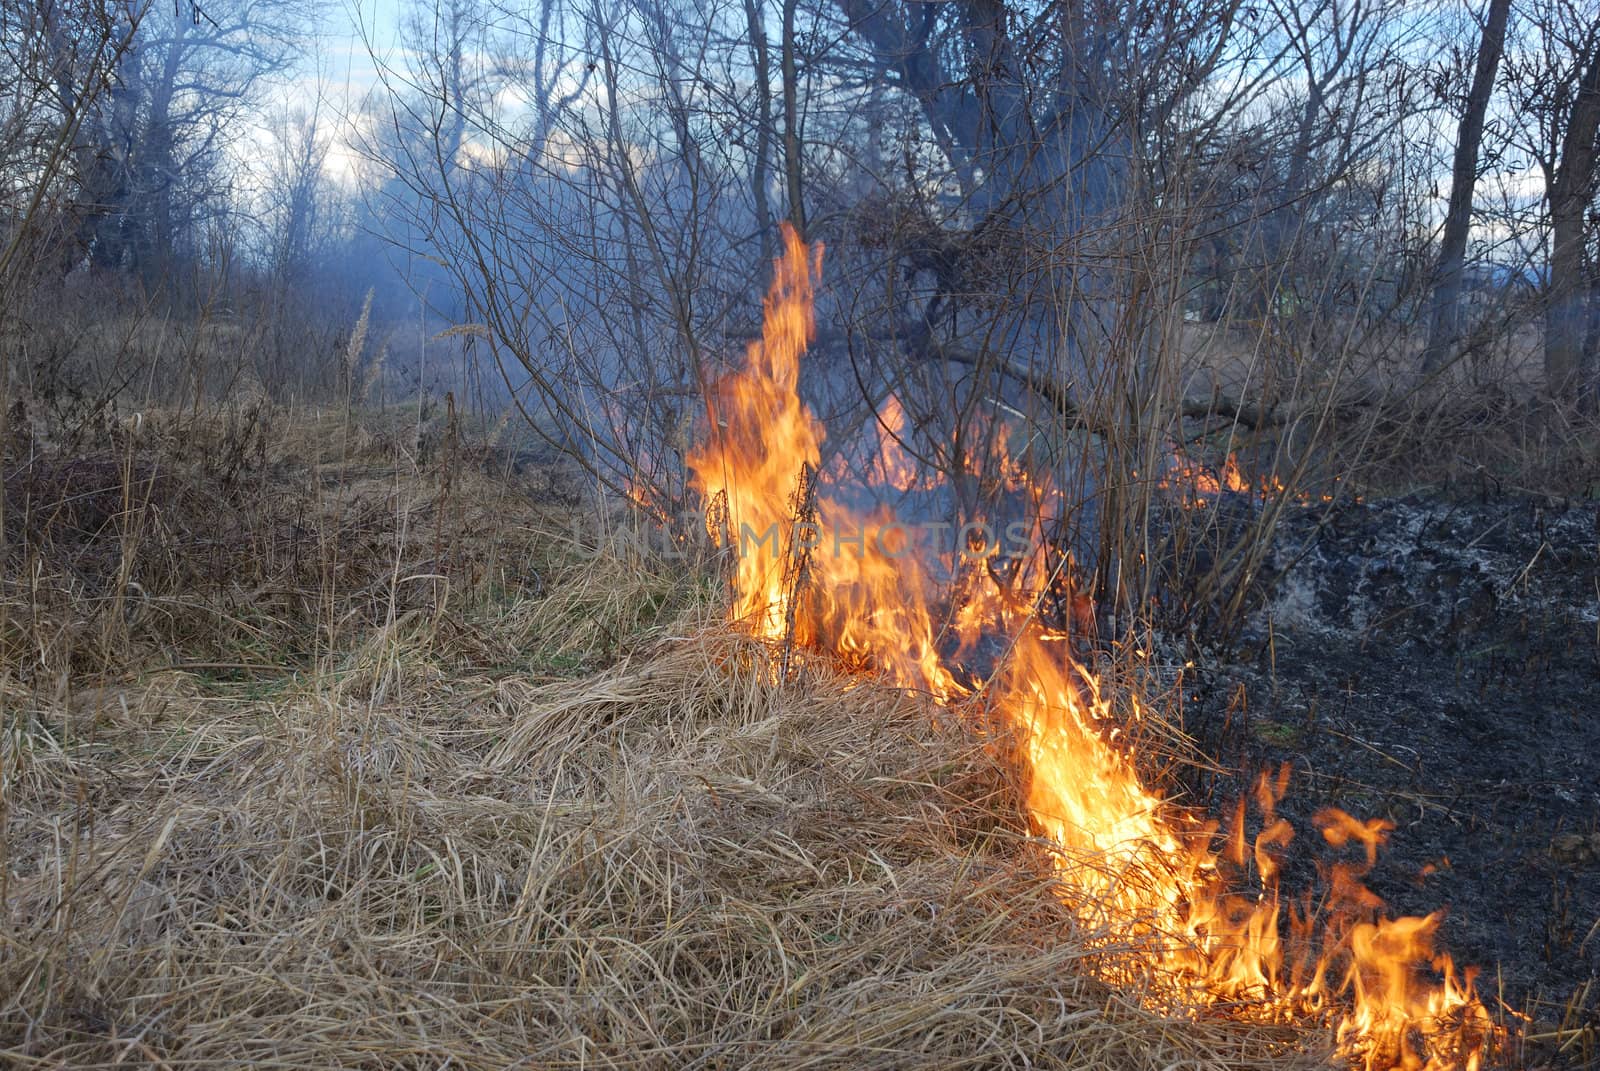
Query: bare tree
x=295 y=207
x=1572 y=182
x=1553 y=78
x=153 y=152
x=59 y=61
x=1443 y=321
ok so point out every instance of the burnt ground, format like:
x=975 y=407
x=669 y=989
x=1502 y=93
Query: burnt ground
x=1437 y=663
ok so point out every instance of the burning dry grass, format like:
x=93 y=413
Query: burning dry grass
x=544 y=814
x=672 y=862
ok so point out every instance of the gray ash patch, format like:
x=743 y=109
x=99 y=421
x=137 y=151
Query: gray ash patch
x=1437 y=663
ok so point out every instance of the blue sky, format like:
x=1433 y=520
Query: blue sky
x=351 y=28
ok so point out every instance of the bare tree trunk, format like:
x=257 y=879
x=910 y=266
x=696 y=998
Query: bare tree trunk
x=761 y=60
x=1444 y=325
x=157 y=171
x=453 y=83
x=1571 y=189
x=1590 y=374
x=791 y=122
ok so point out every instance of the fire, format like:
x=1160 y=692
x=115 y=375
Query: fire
x=762 y=437
x=1196 y=485
x=894 y=465
x=813 y=570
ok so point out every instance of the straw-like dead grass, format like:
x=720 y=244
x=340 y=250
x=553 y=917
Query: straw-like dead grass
x=675 y=862
x=571 y=824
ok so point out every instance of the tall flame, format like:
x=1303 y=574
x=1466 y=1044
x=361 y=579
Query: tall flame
x=814 y=570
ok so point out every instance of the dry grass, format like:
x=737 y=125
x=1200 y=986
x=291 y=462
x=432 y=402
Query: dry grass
x=1480 y=424
x=671 y=863
x=544 y=813
x=242 y=538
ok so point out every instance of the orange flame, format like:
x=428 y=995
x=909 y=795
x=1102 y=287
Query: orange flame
x=1197 y=486
x=895 y=466
x=811 y=569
